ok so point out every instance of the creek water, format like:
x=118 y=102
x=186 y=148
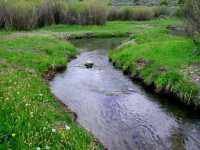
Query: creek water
x=120 y=113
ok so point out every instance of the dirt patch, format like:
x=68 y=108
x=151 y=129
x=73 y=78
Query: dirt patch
x=53 y=70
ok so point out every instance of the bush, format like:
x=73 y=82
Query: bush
x=114 y=14
x=2 y=13
x=133 y=13
x=21 y=15
x=143 y=13
x=180 y=12
x=192 y=13
x=5 y=14
x=87 y=12
x=164 y=2
x=97 y=12
x=51 y=12
x=25 y=15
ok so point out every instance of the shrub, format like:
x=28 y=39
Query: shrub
x=164 y=2
x=192 y=13
x=133 y=13
x=97 y=12
x=18 y=14
x=87 y=12
x=179 y=12
x=181 y=2
x=114 y=14
x=2 y=13
x=5 y=14
x=51 y=12
x=24 y=15
x=143 y=13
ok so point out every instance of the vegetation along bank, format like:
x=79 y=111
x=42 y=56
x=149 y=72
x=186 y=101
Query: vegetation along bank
x=166 y=62
x=31 y=118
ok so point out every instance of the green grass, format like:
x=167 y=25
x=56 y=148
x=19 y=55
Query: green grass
x=114 y=26
x=29 y=113
x=158 y=58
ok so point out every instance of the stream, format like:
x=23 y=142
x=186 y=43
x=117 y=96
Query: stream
x=119 y=112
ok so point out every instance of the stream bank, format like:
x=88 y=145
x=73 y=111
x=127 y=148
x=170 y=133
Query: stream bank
x=161 y=60
x=121 y=114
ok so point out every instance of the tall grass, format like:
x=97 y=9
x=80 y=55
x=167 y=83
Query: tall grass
x=5 y=16
x=134 y=13
x=87 y=12
x=25 y=15
x=51 y=12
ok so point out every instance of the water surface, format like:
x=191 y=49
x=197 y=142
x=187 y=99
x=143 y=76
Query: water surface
x=121 y=114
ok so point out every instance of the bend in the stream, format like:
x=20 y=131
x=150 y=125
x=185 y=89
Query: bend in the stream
x=121 y=114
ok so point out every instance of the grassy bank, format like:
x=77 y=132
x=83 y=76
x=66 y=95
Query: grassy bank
x=158 y=59
x=31 y=118
x=113 y=26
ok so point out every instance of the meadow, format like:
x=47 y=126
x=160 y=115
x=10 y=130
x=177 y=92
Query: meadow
x=31 y=117
x=33 y=41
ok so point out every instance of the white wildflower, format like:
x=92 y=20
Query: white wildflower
x=31 y=114
x=47 y=147
x=38 y=148
x=27 y=104
x=67 y=127
x=53 y=130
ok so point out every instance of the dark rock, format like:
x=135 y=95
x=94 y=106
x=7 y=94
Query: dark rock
x=89 y=64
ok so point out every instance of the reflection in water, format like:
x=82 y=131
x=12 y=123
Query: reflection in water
x=118 y=112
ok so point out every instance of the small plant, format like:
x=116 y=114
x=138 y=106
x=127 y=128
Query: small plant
x=164 y=3
x=181 y=2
